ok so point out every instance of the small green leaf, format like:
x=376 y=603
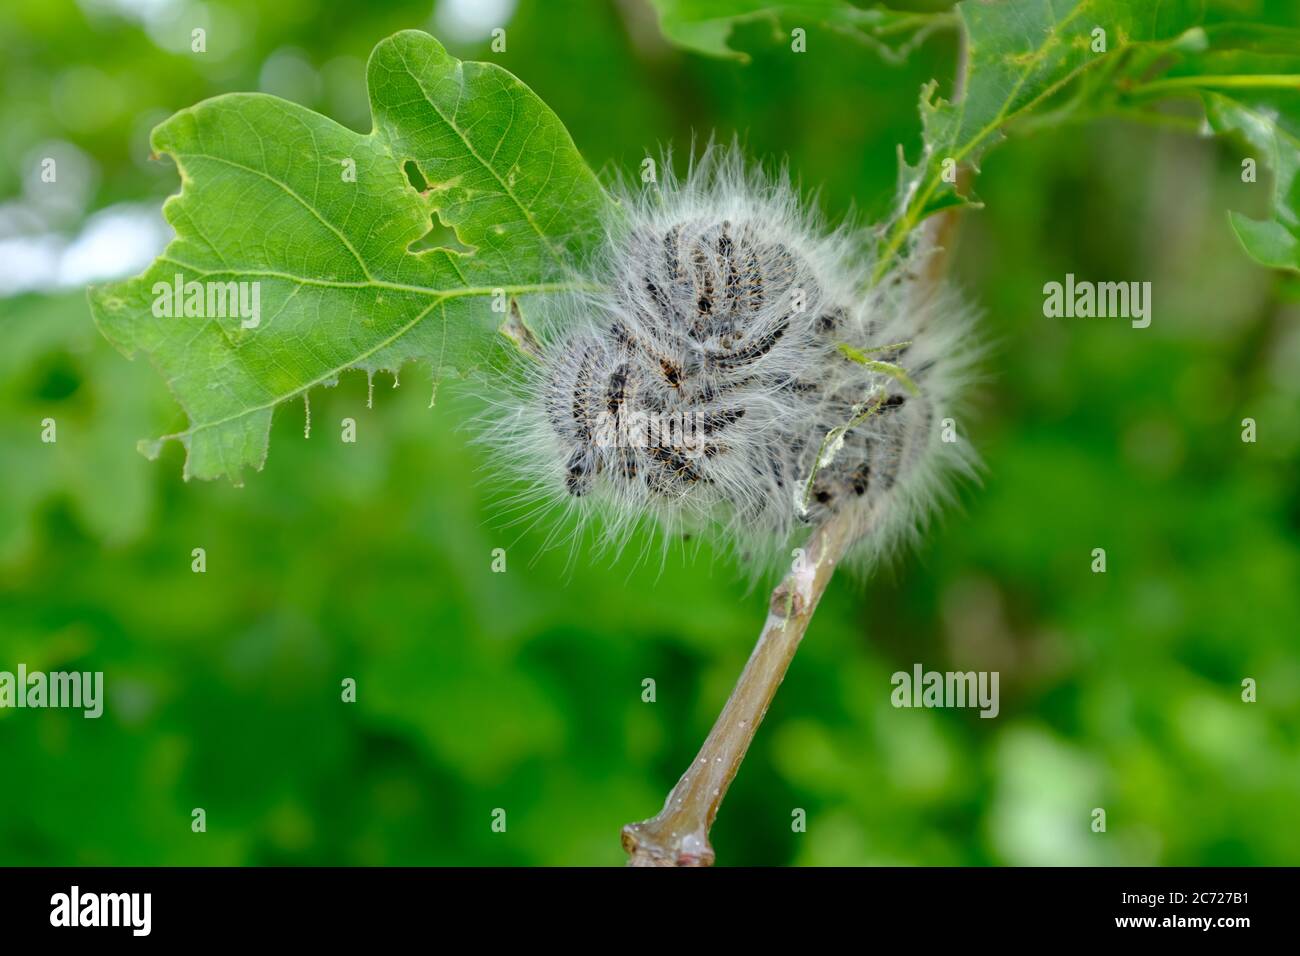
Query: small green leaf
x=1248 y=78
x=319 y=222
x=1274 y=242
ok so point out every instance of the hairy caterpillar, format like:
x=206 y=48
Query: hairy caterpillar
x=737 y=372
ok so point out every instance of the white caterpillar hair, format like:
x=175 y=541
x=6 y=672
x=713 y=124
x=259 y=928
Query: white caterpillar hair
x=738 y=373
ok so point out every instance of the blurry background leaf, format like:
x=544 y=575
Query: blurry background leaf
x=705 y=26
x=54 y=367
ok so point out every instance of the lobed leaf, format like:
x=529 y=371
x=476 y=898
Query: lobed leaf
x=327 y=223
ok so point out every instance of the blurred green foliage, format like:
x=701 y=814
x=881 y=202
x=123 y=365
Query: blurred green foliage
x=523 y=690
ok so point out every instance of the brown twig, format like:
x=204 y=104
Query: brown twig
x=679 y=834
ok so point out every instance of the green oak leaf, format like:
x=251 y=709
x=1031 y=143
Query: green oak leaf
x=705 y=26
x=1020 y=54
x=327 y=223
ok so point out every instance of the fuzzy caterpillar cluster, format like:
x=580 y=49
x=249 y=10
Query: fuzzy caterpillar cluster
x=733 y=373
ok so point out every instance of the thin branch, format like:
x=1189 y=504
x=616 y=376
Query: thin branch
x=679 y=834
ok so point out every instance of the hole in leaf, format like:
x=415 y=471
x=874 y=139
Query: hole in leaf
x=439 y=236
x=414 y=176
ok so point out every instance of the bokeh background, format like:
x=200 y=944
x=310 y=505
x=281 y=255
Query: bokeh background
x=523 y=690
